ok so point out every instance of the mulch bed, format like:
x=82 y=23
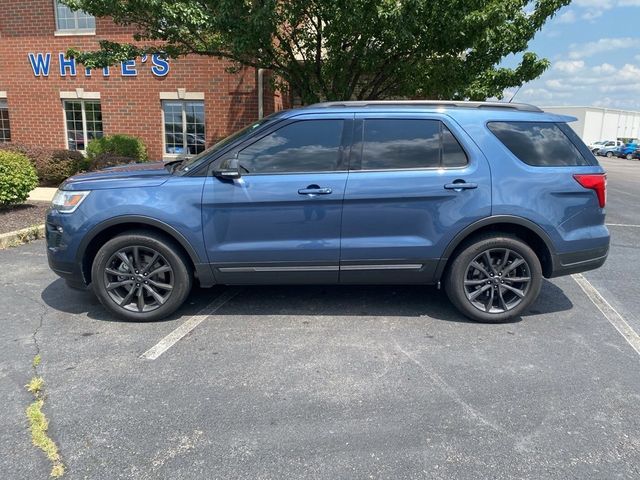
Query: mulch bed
x=21 y=216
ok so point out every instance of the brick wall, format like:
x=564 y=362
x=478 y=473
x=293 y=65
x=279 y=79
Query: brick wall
x=129 y=104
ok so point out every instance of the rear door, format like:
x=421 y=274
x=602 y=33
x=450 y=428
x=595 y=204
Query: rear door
x=280 y=221
x=415 y=180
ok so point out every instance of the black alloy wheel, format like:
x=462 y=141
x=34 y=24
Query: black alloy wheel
x=493 y=278
x=497 y=280
x=141 y=276
x=138 y=278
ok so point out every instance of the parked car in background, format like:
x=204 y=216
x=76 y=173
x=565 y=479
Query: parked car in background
x=627 y=150
x=636 y=154
x=609 y=148
x=595 y=146
x=344 y=193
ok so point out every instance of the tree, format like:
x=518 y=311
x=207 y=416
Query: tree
x=342 y=49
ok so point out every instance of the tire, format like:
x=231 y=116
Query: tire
x=629 y=156
x=609 y=154
x=160 y=264
x=493 y=292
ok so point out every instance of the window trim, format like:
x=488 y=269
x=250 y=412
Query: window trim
x=346 y=144
x=3 y=100
x=360 y=122
x=182 y=101
x=84 y=119
x=64 y=32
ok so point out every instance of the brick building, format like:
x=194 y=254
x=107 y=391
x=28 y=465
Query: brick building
x=174 y=106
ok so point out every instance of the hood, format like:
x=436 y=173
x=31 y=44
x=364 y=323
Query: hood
x=123 y=176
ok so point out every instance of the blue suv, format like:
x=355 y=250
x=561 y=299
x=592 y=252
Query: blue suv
x=485 y=198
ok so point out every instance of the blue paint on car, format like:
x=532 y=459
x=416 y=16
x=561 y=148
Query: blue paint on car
x=350 y=192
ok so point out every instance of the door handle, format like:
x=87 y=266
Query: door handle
x=314 y=190
x=460 y=185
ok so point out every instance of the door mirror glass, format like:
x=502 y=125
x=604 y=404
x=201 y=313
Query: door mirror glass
x=228 y=169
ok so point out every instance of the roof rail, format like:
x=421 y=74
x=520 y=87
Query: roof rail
x=429 y=103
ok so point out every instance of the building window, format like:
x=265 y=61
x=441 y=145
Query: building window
x=183 y=127
x=5 y=129
x=83 y=122
x=68 y=20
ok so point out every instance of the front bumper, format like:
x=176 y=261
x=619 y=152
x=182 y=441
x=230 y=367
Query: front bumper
x=61 y=233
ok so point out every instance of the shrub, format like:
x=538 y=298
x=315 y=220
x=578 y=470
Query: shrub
x=52 y=166
x=104 y=160
x=40 y=157
x=118 y=145
x=17 y=177
x=63 y=164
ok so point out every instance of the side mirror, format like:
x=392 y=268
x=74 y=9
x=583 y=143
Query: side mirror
x=228 y=169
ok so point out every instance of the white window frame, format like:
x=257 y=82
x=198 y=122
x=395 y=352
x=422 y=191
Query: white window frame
x=3 y=101
x=71 y=31
x=182 y=96
x=83 y=97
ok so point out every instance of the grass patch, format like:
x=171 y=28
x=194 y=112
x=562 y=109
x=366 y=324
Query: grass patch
x=39 y=425
x=35 y=385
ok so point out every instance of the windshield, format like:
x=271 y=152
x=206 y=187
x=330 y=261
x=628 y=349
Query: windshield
x=193 y=162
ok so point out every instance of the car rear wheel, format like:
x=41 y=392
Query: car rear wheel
x=141 y=276
x=609 y=154
x=494 y=278
x=629 y=156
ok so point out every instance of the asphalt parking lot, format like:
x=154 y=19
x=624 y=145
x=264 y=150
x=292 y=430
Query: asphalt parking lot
x=331 y=382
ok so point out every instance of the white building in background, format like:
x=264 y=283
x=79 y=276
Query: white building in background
x=595 y=123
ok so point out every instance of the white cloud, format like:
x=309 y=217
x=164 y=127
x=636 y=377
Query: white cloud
x=568 y=17
x=590 y=10
x=605 y=68
x=593 y=9
x=603 y=45
x=580 y=83
x=569 y=66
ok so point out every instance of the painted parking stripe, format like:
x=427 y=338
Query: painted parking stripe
x=621 y=225
x=192 y=322
x=609 y=312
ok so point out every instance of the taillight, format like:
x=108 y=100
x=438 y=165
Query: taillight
x=594 y=181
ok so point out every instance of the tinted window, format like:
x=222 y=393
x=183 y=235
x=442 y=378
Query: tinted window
x=409 y=144
x=538 y=143
x=452 y=153
x=305 y=146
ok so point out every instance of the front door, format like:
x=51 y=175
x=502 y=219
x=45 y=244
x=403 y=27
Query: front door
x=280 y=221
x=415 y=181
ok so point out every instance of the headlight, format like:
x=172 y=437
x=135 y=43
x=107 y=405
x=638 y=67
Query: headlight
x=67 y=201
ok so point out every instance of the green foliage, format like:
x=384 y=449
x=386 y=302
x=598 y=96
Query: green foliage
x=40 y=157
x=342 y=49
x=52 y=166
x=118 y=145
x=17 y=178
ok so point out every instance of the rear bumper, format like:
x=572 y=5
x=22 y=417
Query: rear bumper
x=576 y=262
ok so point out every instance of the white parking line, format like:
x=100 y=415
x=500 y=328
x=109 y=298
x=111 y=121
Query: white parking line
x=621 y=225
x=192 y=322
x=609 y=312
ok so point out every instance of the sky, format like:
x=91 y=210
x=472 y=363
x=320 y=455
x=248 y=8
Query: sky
x=594 y=49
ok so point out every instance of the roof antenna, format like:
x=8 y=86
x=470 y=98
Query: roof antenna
x=514 y=95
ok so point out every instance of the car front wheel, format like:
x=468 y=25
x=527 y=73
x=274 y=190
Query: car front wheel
x=141 y=276
x=609 y=154
x=494 y=278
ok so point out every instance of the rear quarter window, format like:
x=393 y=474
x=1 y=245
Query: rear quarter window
x=541 y=144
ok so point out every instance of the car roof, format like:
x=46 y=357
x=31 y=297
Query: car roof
x=465 y=111
x=431 y=104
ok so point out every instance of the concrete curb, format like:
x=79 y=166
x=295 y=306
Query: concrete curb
x=18 y=237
